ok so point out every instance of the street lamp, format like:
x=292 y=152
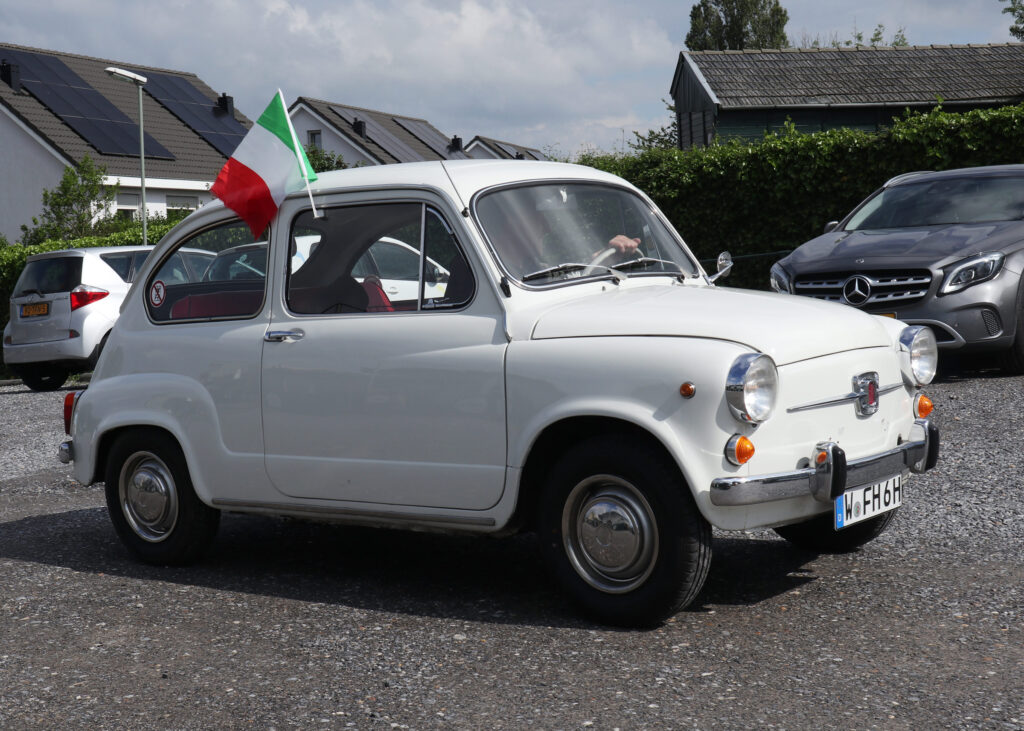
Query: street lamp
x=132 y=78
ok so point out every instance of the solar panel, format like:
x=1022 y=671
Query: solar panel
x=430 y=137
x=512 y=151
x=90 y=114
x=376 y=132
x=195 y=110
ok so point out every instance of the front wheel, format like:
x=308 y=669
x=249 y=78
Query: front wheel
x=622 y=533
x=819 y=534
x=44 y=378
x=152 y=504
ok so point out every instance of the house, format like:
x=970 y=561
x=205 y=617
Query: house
x=368 y=137
x=488 y=148
x=746 y=93
x=56 y=108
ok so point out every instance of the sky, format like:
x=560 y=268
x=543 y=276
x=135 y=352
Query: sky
x=564 y=77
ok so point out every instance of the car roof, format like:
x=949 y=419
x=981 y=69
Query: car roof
x=97 y=250
x=988 y=171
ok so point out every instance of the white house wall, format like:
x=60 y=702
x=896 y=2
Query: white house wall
x=27 y=167
x=330 y=139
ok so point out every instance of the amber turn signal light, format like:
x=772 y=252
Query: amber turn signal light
x=687 y=390
x=922 y=406
x=739 y=450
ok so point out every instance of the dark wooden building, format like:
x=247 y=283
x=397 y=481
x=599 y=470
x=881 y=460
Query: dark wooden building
x=746 y=93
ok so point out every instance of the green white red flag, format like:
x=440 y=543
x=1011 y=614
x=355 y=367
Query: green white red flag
x=268 y=164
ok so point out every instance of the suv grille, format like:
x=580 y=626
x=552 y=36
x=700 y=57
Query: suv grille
x=866 y=289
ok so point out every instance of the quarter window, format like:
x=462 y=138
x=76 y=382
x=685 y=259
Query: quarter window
x=218 y=273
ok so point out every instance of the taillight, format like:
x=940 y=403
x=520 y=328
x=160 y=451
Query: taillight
x=83 y=295
x=70 y=399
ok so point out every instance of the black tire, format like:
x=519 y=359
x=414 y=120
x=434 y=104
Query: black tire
x=152 y=504
x=632 y=491
x=44 y=378
x=819 y=534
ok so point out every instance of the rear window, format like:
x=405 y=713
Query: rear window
x=49 y=276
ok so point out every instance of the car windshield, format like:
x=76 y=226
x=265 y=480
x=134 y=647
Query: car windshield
x=972 y=199
x=547 y=233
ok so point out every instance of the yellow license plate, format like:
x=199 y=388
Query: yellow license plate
x=35 y=310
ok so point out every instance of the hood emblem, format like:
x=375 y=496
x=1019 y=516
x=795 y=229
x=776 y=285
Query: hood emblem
x=857 y=290
x=865 y=386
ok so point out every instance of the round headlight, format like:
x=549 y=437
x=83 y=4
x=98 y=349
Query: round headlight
x=751 y=387
x=919 y=344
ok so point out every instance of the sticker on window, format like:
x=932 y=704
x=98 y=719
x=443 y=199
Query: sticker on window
x=157 y=293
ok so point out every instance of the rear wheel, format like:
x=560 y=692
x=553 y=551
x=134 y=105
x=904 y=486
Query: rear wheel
x=44 y=378
x=622 y=533
x=152 y=504
x=819 y=534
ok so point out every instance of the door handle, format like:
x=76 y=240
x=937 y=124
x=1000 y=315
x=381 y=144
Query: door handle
x=280 y=336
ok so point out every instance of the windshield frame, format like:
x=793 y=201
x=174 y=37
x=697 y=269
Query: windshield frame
x=601 y=272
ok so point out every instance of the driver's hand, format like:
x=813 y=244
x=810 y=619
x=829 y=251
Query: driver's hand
x=624 y=244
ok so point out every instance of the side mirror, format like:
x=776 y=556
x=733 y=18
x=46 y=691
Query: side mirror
x=724 y=265
x=830 y=226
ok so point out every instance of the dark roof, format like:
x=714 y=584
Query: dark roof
x=508 y=150
x=194 y=158
x=859 y=75
x=387 y=137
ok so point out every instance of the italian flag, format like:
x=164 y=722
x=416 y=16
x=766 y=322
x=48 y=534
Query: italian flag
x=268 y=164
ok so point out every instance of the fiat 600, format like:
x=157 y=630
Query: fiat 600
x=540 y=352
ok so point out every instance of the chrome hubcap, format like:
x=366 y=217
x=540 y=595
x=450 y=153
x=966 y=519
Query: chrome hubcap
x=610 y=534
x=149 y=497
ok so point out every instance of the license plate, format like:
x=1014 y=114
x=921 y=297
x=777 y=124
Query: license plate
x=867 y=501
x=35 y=310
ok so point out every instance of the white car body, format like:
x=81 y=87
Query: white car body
x=436 y=419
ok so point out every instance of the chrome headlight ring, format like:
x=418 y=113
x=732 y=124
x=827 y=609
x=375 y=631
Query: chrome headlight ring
x=751 y=387
x=921 y=353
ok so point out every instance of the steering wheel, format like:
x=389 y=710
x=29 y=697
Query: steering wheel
x=598 y=260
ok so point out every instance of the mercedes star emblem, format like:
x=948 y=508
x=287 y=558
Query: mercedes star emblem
x=857 y=290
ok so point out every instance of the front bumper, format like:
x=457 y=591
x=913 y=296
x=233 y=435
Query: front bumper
x=834 y=474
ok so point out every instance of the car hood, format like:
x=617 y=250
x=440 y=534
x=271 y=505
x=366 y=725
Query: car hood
x=786 y=327
x=903 y=247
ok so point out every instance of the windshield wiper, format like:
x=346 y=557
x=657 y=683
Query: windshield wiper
x=568 y=267
x=643 y=262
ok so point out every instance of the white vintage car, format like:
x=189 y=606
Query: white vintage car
x=579 y=375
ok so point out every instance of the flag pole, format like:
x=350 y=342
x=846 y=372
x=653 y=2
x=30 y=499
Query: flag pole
x=299 y=155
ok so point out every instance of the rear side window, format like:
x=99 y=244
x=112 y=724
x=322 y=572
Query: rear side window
x=49 y=276
x=121 y=263
x=218 y=273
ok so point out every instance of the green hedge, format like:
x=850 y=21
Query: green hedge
x=12 y=257
x=760 y=200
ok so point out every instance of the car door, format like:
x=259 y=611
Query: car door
x=372 y=400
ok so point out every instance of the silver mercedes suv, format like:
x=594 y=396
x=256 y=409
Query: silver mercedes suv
x=943 y=249
x=65 y=303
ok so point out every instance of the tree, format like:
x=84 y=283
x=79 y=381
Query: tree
x=721 y=25
x=667 y=137
x=322 y=160
x=1016 y=9
x=856 y=39
x=69 y=210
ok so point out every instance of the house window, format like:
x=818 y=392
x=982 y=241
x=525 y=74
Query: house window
x=314 y=139
x=189 y=202
x=127 y=205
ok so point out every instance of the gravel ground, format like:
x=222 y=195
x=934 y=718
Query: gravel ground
x=291 y=624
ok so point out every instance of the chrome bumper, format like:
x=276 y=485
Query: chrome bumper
x=833 y=475
x=66 y=452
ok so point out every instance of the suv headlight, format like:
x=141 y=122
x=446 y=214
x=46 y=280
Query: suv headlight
x=921 y=353
x=780 y=280
x=751 y=387
x=971 y=271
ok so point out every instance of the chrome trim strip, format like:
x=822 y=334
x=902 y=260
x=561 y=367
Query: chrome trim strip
x=842 y=399
x=324 y=511
x=910 y=456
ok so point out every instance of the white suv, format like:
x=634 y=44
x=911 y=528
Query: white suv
x=579 y=375
x=65 y=303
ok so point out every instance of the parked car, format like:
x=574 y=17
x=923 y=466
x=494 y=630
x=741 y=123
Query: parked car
x=942 y=249
x=609 y=397
x=65 y=303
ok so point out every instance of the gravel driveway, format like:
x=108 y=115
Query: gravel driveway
x=290 y=624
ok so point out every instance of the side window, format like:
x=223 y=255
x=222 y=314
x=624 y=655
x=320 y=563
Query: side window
x=220 y=272
x=120 y=263
x=367 y=258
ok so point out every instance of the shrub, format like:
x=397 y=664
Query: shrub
x=761 y=200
